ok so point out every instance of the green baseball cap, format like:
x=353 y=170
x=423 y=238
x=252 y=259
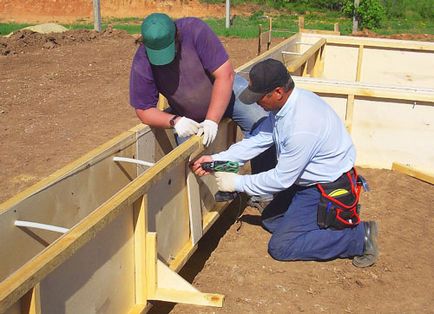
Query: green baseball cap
x=158 y=31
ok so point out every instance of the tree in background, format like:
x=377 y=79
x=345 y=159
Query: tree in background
x=370 y=13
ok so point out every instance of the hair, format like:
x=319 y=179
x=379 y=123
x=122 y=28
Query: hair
x=289 y=85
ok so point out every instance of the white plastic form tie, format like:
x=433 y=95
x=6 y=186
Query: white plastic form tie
x=134 y=161
x=36 y=225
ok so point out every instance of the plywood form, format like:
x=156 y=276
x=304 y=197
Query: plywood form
x=384 y=61
x=105 y=249
x=63 y=200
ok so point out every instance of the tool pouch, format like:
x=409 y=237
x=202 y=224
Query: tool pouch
x=338 y=207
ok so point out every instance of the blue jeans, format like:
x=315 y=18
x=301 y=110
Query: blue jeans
x=292 y=219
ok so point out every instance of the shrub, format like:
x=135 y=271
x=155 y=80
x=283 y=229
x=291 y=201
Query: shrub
x=370 y=12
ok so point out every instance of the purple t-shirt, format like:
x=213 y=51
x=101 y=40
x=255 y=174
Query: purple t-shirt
x=186 y=82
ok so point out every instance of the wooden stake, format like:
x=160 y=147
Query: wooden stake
x=259 y=38
x=300 y=23
x=269 y=32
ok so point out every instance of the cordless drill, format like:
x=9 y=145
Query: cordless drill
x=222 y=166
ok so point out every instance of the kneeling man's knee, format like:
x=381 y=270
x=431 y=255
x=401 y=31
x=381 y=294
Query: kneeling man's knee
x=281 y=250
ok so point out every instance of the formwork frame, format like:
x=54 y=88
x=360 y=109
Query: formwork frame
x=154 y=276
x=305 y=56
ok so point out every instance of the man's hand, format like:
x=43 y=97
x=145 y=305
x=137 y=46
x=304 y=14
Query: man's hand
x=226 y=181
x=196 y=166
x=209 y=130
x=185 y=127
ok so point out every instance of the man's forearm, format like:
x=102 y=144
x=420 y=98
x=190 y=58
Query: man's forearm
x=154 y=117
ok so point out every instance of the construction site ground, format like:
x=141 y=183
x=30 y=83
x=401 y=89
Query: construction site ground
x=63 y=95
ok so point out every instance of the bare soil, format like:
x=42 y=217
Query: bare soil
x=63 y=95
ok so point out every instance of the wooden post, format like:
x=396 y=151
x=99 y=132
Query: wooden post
x=349 y=112
x=359 y=63
x=336 y=27
x=140 y=231
x=228 y=13
x=270 y=27
x=300 y=23
x=259 y=39
x=96 y=15
x=355 y=16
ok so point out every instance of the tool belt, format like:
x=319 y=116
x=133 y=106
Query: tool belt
x=339 y=203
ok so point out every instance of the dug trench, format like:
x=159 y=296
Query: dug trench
x=58 y=102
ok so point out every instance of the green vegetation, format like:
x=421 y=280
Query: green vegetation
x=7 y=28
x=383 y=16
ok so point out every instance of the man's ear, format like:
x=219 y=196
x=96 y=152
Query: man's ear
x=280 y=92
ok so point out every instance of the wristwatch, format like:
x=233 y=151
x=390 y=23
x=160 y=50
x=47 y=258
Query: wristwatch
x=172 y=121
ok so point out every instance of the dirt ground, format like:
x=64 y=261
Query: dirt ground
x=63 y=95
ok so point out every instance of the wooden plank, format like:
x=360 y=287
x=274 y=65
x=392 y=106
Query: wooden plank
x=267 y=54
x=140 y=308
x=182 y=257
x=359 y=63
x=298 y=62
x=151 y=265
x=21 y=281
x=317 y=67
x=194 y=207
x=424 y=96
x=418 y=174
x=173 y=288
x=189 y=297
x=319 y=32
x=349 y=109
x=140 y=232
x=380 y=43
x=31 y=301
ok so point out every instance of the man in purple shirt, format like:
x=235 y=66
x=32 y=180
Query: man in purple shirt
x=186 y=62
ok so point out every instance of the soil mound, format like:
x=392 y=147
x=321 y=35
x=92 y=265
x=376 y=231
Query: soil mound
x=24 y=41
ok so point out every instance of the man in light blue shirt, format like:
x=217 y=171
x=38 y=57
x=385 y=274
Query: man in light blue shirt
x=312 y=147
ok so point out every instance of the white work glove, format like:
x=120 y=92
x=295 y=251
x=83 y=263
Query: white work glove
x=226 y=181
x=209 y=130
x=186 y=127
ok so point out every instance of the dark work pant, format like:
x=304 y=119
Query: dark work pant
x=292 y=219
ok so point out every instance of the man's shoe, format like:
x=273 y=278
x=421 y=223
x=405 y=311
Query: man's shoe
x=370 y=253
x=259 y=202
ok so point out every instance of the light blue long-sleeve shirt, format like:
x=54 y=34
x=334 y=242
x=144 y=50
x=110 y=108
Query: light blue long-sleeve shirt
x=312 y=146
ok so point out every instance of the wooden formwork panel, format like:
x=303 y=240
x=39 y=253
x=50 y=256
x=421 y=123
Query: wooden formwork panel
x=110 y=260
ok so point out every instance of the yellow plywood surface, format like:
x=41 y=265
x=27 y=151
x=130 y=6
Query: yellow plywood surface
x=63 y=204
x=99 y=277
x=398 y=67
x=384 y=132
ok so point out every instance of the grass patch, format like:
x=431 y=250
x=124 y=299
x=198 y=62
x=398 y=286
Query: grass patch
x=7 y=28
x=285 y=23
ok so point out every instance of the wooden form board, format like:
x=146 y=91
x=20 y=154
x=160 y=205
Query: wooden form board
x=382 y=89
x=112 y=245
x=427 y=176
x=386 y=125
x=377 y=61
